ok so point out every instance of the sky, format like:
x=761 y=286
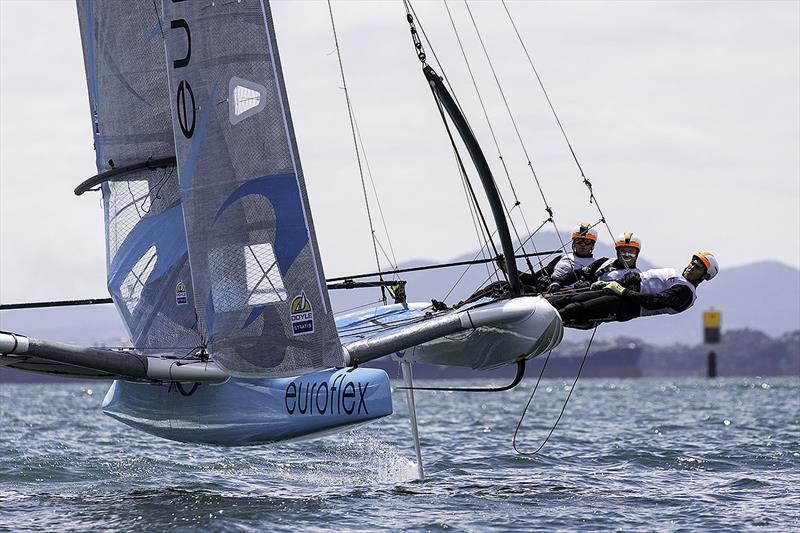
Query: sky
x=685 y=116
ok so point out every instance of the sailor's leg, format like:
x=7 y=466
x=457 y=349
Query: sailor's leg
x=560 y=301
x=605 y=308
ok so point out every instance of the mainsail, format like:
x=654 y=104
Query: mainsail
x=149 y=276
x=259 y=286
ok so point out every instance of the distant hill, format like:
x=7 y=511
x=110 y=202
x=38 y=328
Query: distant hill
x=84 y=325
x=763 y=296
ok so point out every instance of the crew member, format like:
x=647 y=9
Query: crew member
x=627 y=245
x=663 y=291
x=584 y=237
x=622 y=269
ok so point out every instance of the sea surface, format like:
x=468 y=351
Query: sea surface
x=629 y=455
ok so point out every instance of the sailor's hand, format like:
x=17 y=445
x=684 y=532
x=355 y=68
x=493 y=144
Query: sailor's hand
x=632 y=280
x=582 y=284
x=553 y=287
x=615 y=287
x=598 y=285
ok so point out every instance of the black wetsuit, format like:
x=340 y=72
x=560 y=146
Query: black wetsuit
x=592 y=307
x=592 y=272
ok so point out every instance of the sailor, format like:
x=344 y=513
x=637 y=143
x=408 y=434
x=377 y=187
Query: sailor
x=622 y=269
x=627 y=245
x=584 y=237
x=663 y=291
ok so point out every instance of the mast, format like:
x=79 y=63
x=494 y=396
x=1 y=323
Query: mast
x=489 y=185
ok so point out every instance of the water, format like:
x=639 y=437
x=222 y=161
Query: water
x=628 y=455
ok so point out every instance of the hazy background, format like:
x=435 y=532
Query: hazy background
x=685 y=116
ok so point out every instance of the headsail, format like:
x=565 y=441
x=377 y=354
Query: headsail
x=260 y=289
x=147 y=262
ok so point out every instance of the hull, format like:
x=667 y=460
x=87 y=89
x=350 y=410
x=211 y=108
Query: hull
x=480 y=348
x=245 y=412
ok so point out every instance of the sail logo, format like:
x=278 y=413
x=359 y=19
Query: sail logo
x=180 y=294
x=301 y=315
x=184 y=95
x=245 y=99
x=310 y=398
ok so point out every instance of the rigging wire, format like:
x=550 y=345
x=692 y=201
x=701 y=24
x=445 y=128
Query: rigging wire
x=368 y=304
x=547 y=207
x=472 y=199
x=481 y=240
x=481 y=252
x=517 y=202
x=486 y=280
x=563 y=408
x=415 y=20
x=471 y=196
x=464 y=173
x=586 y=182
x=536 y=254
x=393 y=260
x=355 y=144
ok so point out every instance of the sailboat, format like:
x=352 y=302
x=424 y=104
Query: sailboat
x=211 y=254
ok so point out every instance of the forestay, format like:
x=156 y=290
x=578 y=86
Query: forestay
x=260 y=289
x=147 y=262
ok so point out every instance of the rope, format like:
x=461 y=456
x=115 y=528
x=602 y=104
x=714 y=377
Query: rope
x=478 y=233
x=517 y=201
x=547 y=207
x=464 y=175
x=563 y=408
x=416 y=21
x=474 y=207
x=355 y=145
x=586 y=182
x=393 y=260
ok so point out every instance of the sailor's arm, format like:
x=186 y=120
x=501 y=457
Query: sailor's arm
x=677 y=297
x=589 y=272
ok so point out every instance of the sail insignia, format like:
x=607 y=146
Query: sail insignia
x=245 y=99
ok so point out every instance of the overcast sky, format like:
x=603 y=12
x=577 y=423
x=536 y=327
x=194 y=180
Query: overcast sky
x=685 y=116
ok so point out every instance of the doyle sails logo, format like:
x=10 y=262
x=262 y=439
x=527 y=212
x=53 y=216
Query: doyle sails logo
x=180 y=294
x=309 y=398
x=302 y=315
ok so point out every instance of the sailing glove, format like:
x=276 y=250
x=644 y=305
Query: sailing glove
x=615 y=287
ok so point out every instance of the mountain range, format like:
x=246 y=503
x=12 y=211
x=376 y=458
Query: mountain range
x=763 y=296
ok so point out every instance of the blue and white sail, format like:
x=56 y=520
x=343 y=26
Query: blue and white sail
x=149 y=276
x=259 y=285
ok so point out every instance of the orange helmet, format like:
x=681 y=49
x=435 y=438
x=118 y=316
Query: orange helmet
x=584 y=231
x=628 y=239
x=708 y=259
